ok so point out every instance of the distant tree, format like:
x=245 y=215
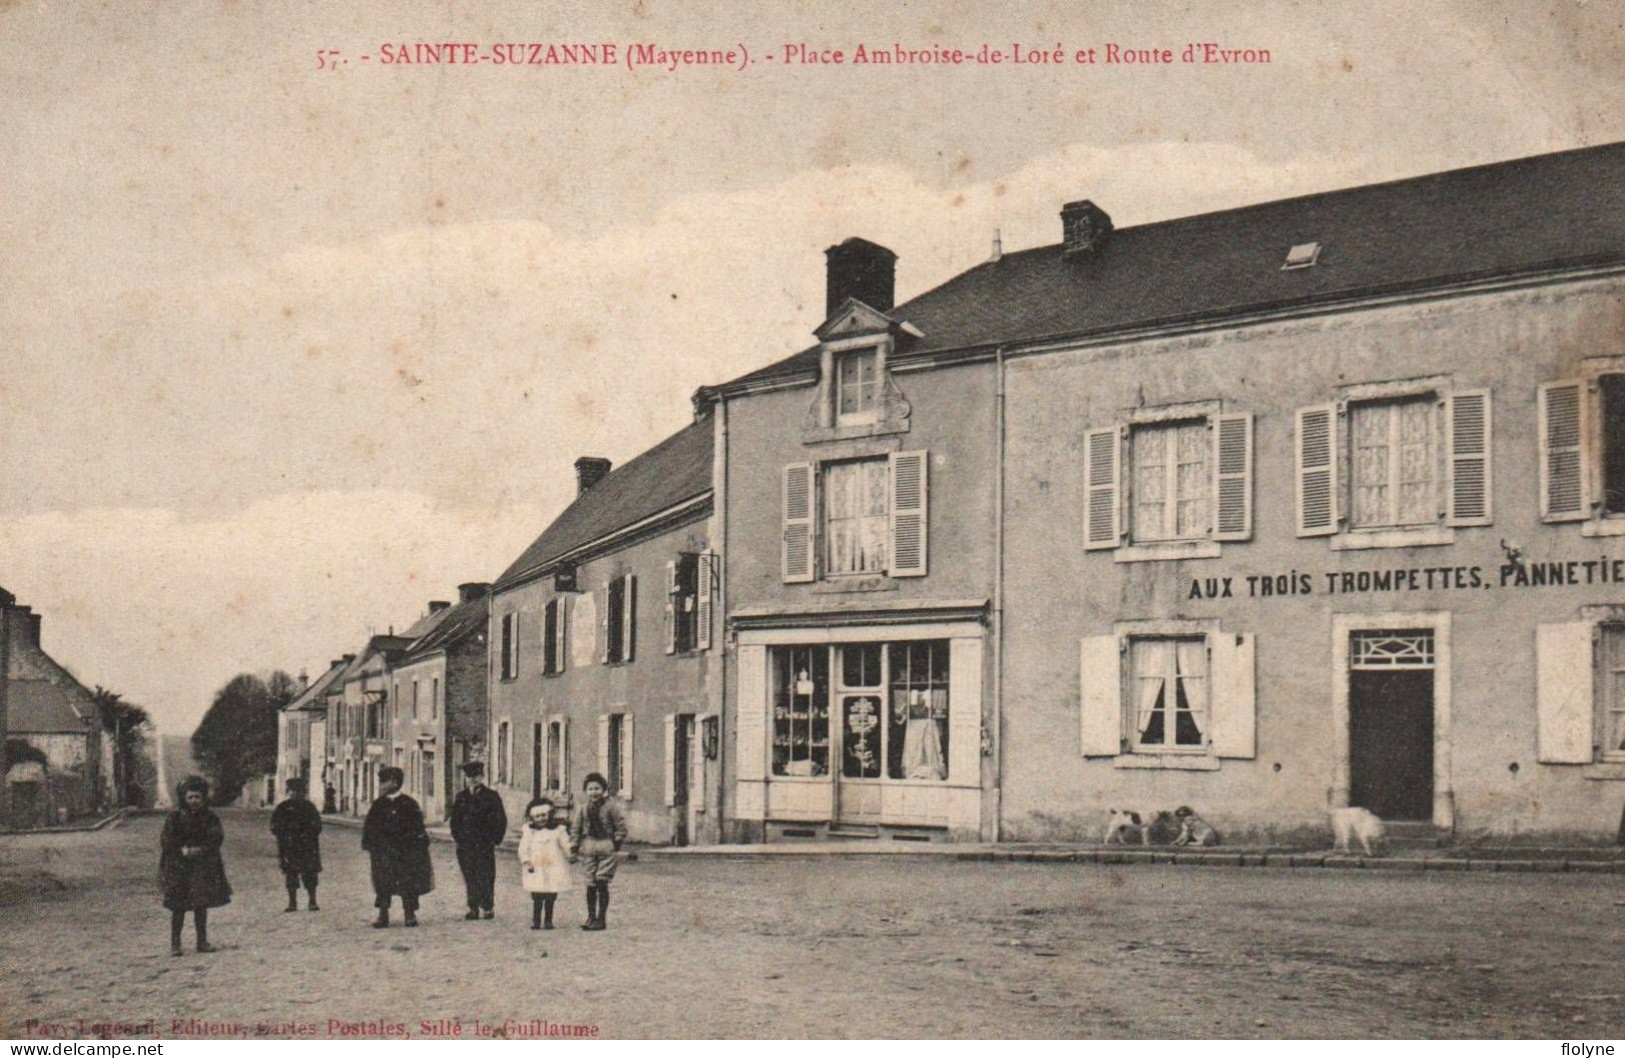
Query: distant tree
x=128 y=725
x=236 y=739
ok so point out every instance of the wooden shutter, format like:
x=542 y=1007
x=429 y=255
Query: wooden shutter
x=604 y=612
x=1564 y=495
x=1316 y=451
x=1233 y=708
x=628 y=744
x=564 y=753
x=799 y=535
x=696 y=762
x=910 y=501
x=1101 y=681
x=704 y=577
x=1102 y=459
x=1564 y=703
x=629 y=616
x=671 y=760
x=750 y=736
x=671 y=607
x=564 y=632
x=1233 y=477
x=1468 y=433
x=603 y=746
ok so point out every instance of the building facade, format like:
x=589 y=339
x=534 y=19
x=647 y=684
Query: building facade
x=440 y=707
x=1265 y=512
x=601 y=646
x=301 y=739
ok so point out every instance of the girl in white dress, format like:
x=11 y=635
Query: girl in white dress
x=544 y=860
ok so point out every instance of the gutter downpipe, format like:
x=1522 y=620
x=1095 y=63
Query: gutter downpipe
x=720 y=639
x=998 y=602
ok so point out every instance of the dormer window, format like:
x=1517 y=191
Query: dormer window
x=857 y=386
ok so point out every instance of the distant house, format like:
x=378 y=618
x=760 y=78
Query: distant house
x=53 y=748
x=301 y=732
x=439 y=700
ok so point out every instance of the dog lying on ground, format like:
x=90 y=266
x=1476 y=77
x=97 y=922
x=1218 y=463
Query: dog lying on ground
x=1193 y=829
x=1123 y=826
x=1357 y=823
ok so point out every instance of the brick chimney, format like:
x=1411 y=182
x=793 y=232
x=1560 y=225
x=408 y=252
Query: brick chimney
x=858 y=268
x=474 y=589
x=590 y=470
x=436 y=605
x=1085 y=227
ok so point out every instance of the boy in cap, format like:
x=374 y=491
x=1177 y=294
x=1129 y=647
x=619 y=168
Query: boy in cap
x=298 y=827
x=597 y=833
x=478 y=825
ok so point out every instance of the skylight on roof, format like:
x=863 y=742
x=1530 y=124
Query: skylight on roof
x=1303 y=255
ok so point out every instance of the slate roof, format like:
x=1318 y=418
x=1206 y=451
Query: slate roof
x=1529 y=215
x=676 y=469
x=311 y=697
x=44 y=707
x=456 y=624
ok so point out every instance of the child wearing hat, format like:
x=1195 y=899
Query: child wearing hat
x=597 y=833
x=298 y=829
x=544 y=860
x=189 y=864
x=478 y=825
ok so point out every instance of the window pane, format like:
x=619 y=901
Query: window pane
x=860 y=736
x=800 y=710
x=1172 y=481
x=855 y=520
x=917 y=733
x=1613 y=444
x=1195 y=480
x=860 y=665
x=1150 y=484
x=1416 y=502
x=1368 y=424
x=1169 y=683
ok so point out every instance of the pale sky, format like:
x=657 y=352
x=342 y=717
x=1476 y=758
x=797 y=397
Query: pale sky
x=289 y=352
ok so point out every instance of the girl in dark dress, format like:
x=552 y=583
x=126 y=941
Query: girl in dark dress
x=298 y=829
x=189 y=865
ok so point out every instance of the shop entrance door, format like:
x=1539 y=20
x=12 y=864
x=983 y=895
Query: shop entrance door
x=860 y=714
x=1391 y=723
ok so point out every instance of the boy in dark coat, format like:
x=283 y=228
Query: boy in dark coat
x=298 y=827
x=597 y=833
x=399 y=846
x=478 y=825
x=189 y=864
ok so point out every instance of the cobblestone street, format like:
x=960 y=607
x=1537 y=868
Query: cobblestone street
x=883 y=946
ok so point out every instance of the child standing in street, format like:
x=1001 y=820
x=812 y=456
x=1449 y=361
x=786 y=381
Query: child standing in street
x=544 y=860
x=597 y=833
x=192 y=872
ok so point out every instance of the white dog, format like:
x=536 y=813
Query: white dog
x=1122 y=825
x=1359 y=823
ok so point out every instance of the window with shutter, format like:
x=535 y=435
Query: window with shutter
x=705 y=576
x=1102 y=461
x=1233 y=478
x=909 y=503
x=1564 y=702
x=1316 y=453
x=1468 y=431
x=855 y=526
x=550 y=637
x=1563 y=492
x=798 y=507
x=1172 y=481
x=673 y=602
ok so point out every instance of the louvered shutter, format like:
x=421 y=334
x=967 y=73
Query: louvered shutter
x=1564 y=496
x=604 y=612
x=750 y=736
x=628 y=743
x=910 y=494
x=704 y=576
x=1102 y=458
x=671 y=760
x=603 y=746
x=1316 y=451
x=562 y=627
x=1468 y=430
x=671 y=608
x=1234 y=703
x=629 y=616
x=696 y=762
x=1101 y=681
x=1233 y=478
x=799 y=509
x=1564 y=703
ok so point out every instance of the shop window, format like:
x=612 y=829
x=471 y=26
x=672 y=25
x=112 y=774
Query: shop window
x=801 y=729
x=889 y=700
x=1168 y=694
x=861 y=517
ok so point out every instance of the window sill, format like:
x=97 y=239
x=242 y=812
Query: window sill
x=1605 y=771
x=1603 y=527
x=846 y=585
x=1371 y=540
x=1167 y=761
x=1174 y=551
x=853 y=431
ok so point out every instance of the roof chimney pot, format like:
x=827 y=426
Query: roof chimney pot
x=860 y=269
x=590 y=470
x=1085 y=227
